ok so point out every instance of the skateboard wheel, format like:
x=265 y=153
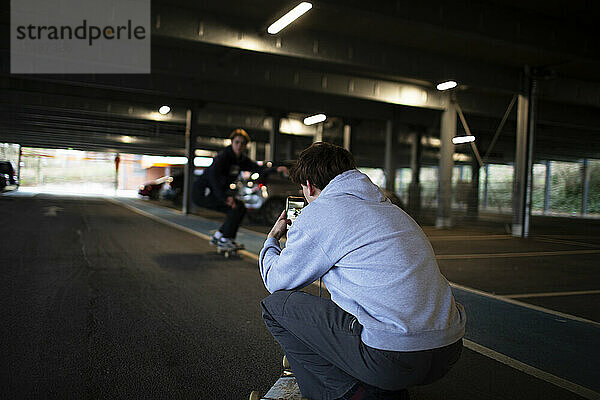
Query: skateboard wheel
x=254 y=395
x=286 y=363
x=227 y=254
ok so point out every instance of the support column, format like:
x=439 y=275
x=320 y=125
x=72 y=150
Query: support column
x=389 y=169
x=521 y=200
x=585 y=182
x=252 y=150
x=19 y=166
x=473 y=202
x=486 y=186
x=289 y=148
x=548 y=183
x=318 y=137
x=414 y=193
x=274 y=138
x=447 y=132
x=188 y=171
x=347 y=137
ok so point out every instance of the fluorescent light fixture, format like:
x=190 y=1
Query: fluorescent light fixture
x=463 y=139
x=314 y=119
x=203 y=161
x=447 y=85
x=127 y=139
x=290 y=17
x=164 y=110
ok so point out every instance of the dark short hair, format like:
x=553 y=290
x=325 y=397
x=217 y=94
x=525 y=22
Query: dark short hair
x=240 y=132
x=320 y=163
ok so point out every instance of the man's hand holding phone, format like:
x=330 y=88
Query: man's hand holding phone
x=280 y=228
x=293 y=207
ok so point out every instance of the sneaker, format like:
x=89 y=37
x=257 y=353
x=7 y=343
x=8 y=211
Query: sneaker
x=213 y=240
x=226 y=243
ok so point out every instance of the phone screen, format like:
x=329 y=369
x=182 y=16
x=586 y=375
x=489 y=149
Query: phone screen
x=294 y=206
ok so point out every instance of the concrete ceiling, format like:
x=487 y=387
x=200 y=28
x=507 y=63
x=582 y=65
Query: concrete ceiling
x=361 y=62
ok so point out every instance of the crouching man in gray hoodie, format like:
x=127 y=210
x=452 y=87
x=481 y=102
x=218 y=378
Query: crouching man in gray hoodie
x=392 y=321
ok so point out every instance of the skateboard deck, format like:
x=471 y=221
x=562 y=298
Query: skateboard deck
x=285 y=388
x=227 y=252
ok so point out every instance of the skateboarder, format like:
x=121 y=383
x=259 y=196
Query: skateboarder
x=212 y=189
x=392 y=321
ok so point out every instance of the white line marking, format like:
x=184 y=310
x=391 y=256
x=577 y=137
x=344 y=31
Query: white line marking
x=555 y=380
x=551 y=294
x=526 y=305
x=567 y=242
x=535 y=372
x=515 y=255
x=467 y=237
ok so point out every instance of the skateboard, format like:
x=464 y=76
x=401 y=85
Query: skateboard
x=229 y=252
x=285 y=388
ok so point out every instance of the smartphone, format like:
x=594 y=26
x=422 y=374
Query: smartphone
x=293 y=207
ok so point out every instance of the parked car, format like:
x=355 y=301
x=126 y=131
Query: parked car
x=8 y=177
x=264 y=195
x=166 y=187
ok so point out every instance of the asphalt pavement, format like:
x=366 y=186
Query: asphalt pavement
x=100 y=301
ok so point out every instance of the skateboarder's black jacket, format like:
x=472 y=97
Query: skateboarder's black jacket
x=224 y=171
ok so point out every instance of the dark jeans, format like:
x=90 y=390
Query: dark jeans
x=233 y=218
x=322 y=343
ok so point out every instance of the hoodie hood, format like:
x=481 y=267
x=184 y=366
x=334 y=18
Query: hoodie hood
x=354 y=183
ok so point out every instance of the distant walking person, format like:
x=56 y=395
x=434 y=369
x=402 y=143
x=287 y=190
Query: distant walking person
x=212 y=189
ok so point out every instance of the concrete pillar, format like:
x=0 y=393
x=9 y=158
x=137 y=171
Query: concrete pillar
x=521 y=200
x=289 y=148
x=274 y=138
x=19 y=166
x=548 y=183
x=414 y=192
x=188 y=171
x=318 y=137
x=473 y=202
x=389 y=164
x=252 y=150
x=447 y=132
x=585 y=183
x=486 y=186
x=347 y=137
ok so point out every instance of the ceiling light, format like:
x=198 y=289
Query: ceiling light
x=290 y=17
x=203 y=161
x=447 y=85
x=314 y=119
x=164 y=110
x=463 y=139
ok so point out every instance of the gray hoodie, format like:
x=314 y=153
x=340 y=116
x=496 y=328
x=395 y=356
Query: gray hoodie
x=375 y=261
